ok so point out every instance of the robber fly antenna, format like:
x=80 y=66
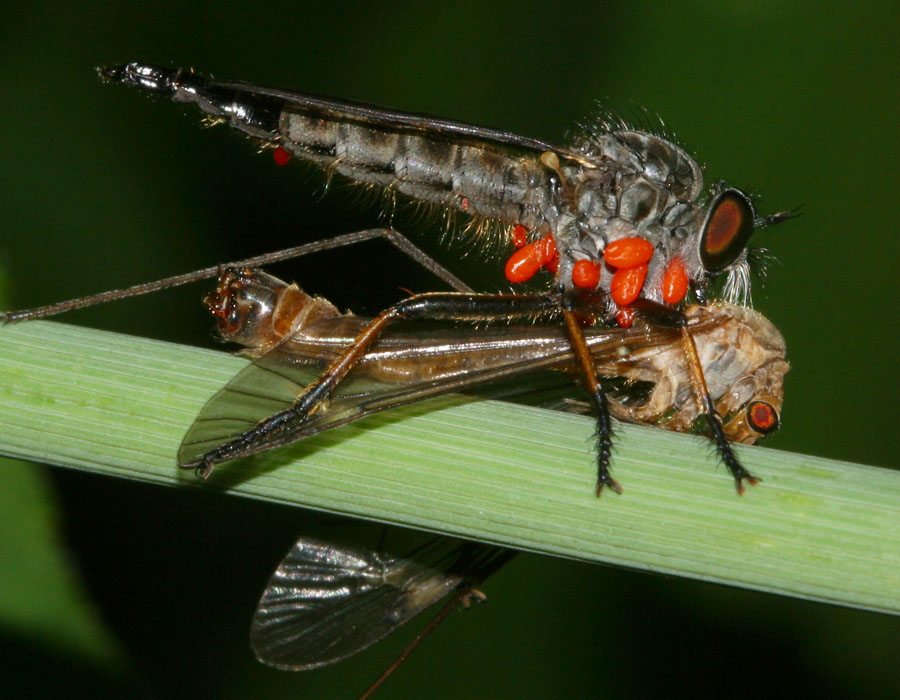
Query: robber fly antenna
x=764 y=221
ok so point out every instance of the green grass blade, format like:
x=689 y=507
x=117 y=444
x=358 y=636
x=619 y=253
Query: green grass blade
x=816 y=528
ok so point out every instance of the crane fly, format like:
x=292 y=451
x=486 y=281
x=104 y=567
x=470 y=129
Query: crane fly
x=619 y=223
x=294 y=336
x=326 y=602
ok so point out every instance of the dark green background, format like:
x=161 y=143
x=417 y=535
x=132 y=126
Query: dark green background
x=102 y=187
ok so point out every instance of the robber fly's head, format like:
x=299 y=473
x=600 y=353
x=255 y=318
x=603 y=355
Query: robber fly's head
x=258 y=310
x=729 y=223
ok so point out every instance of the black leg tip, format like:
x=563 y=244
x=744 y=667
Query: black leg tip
x=607 y=480
x=739 y=480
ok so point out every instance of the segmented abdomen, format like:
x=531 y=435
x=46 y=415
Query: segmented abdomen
x=473 y=178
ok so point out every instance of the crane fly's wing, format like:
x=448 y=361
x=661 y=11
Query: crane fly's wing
x=261 y=389
x=272 y=383
x=326 y=602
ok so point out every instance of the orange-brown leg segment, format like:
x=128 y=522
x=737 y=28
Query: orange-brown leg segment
x=723 y=445
x=598 y=398
x=674 y=318
x=433 y=306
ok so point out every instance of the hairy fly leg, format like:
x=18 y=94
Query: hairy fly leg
x=675 y=318
x=598 y=399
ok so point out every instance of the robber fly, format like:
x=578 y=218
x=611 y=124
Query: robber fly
x=326 y=602
x=618 y=219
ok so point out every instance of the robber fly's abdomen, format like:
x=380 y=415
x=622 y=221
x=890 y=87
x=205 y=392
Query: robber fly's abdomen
x=473 y=178
x=364 y=144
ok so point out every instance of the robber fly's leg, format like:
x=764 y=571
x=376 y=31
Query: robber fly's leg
x=446 y=306
x=723 y=446
x=675 y=318
x=393 y=237
x=598 y=398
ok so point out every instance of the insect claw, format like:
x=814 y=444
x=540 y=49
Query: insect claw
x=470 y=596
x=607 y=480
x=744 y=476
x=204 y=469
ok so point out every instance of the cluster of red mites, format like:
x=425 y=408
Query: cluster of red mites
x=629 y=257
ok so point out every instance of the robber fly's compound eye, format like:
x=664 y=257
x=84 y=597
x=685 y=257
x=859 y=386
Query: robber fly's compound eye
x=727 y=230
x=762 y=417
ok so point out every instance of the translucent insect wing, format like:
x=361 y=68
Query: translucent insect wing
x=261 y=389
x=273 y=382
x=325 y=603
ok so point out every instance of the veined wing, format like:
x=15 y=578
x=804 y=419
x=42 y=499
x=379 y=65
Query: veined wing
x=326 y=602
x=487 y=173
x=392 y=119
x=400 y=370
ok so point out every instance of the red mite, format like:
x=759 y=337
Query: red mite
x=281 y=156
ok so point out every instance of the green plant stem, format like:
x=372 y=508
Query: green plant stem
x=485 y=470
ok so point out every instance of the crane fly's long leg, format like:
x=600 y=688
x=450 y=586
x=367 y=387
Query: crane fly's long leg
x=598 y=398
x=463 y=593
x=435 y=306
x=723 y=446
x=395 y=238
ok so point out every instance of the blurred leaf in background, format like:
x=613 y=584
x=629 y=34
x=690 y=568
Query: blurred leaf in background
x=43 y=604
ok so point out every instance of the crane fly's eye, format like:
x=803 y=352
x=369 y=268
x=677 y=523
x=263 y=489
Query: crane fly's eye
x=727 y=230
x=762 y=417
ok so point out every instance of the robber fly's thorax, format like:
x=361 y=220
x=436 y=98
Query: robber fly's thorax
x=631 y=185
